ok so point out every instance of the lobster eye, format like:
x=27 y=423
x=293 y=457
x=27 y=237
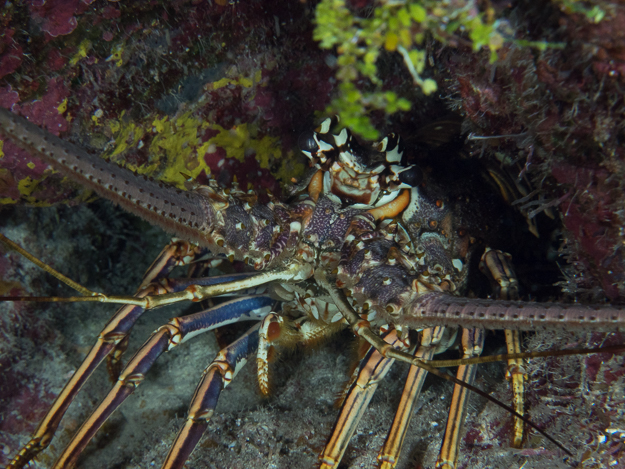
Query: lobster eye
x=411 y=176
x=306 y=142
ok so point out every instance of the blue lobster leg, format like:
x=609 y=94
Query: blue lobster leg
x=114 y=333
x=373 y=369
x=216 y=377
x=113 y=362
x=165 y=338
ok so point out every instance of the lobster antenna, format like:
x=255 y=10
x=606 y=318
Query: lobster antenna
x=42 y=265
x=89 y=296
x=294 y=271
x=512 y=356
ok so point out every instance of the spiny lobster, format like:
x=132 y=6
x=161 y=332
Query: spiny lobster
x=363 y=243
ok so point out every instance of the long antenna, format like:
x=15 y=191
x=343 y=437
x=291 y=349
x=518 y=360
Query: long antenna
x=67 y=281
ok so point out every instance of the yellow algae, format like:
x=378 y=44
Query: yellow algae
x=63 y=106
x=117 y=55
x=179 y=140
x=1 y=148
x=159 y=124
x=31 y=165
x=83 y=49
x=267 y=149
x=115 y=124
x=249 y=82
x=204 y=148
x=221 y=83
x=27 y=186
x=97 y=115
x=126 y=135
x=290 y=167
x=176 y=147
x=234 y=141
x=242 y=81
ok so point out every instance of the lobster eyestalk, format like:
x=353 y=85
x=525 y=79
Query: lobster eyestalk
x=436 y=308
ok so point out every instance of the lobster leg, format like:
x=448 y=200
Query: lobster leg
x=518 y=378
x=472 y=345
x=217 y=376
x=176 y=253
x=497 y=266
x=165 y=338
x=389 y=454
x=373 y=369
x=159 y=270
x=274 y=330
x=271 y=328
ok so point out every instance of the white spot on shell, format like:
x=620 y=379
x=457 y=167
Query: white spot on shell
x=341 y=138
x=314 y=310
x=337 y=317
x=295 y=227
x=325 y=126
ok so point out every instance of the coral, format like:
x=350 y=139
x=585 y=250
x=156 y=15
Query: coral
x=559 y=113
x=130 y=77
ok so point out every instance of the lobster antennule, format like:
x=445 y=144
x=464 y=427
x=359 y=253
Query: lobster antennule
x=435 y=308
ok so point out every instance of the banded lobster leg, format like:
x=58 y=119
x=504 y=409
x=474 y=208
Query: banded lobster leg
x=178 y=330
x=373 y=368
x=505 y=286
x=115 y=332
x=272 y=330
x=496 y=266
x=472 y=346
x=215 y=378
x=430 y=343
x=472 y=342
